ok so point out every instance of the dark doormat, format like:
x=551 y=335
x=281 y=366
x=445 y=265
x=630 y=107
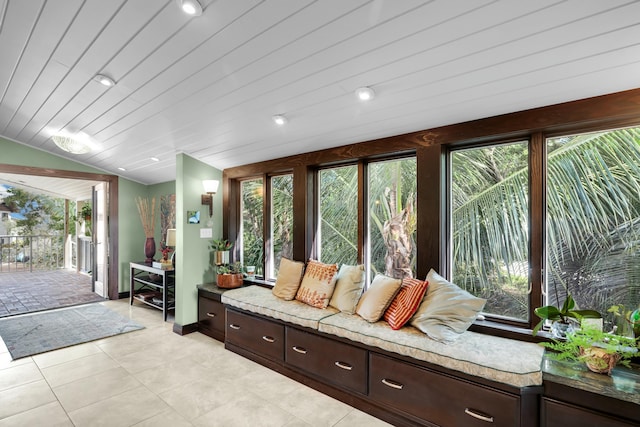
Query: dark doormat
x=30 y=334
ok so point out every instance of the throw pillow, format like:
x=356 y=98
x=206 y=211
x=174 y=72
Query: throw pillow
x=317 y=284
x=288 y=280
x=405 y=304
x=349 y=286
x=377 y=298
x=446 y=311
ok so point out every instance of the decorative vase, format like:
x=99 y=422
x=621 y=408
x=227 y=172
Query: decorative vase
x=222 y=257
x=229 y=281
x=559 y=329
x=149 y=249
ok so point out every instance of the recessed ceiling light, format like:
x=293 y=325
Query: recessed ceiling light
x=155 y=159
x=190 y=7
x=104 y=80
x=122 y=169
x=279 y=119
x=365 y=93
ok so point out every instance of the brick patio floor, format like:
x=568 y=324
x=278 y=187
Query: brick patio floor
x=24 y=292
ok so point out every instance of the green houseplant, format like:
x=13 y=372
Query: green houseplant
x=221 y=248
x=600 y=351
x=229 y=275
x=563 y=315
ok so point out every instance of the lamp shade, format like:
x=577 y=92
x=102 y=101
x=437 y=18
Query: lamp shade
x=210 y=186
x=171 y=237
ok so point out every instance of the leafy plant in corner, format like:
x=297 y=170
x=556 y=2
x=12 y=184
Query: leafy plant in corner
x=563 y=314
x=601 y=351
x=235 y=268
x=220 y=245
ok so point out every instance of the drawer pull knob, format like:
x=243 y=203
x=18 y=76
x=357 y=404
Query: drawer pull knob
x=392 y=384
x=299 y=349
x=343 y=365
x=211 y=314
x=268 y=339
x=232 y=326
x=478 y=415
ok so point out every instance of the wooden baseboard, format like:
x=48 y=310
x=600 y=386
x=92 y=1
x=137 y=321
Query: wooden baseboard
x=185 y=329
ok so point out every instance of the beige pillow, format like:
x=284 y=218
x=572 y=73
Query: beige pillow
x=446 y=310
x=288 y=280
x=349 y=286
x=317 y=284
x=378 y=297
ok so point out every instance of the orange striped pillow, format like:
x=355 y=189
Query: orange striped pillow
x=405 y=304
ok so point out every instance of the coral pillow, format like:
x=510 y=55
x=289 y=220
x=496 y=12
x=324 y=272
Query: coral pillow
x=288 y=280
x=317 y=284
x=405 y=304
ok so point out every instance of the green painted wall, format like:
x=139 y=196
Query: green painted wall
x=193 y=257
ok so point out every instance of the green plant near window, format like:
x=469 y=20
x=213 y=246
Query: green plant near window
x=601 y=351
x=220 y=245
x=234 y=268
x=563 y=314
x=85 y=212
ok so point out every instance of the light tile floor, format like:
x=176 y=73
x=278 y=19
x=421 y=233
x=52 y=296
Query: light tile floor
x=154 y=377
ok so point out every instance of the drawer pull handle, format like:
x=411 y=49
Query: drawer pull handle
x=211 y=314
x=392 y=384
x=268 y=339
x=343 y=365
x=299 y=349
x=477 y=415
x=232 y=326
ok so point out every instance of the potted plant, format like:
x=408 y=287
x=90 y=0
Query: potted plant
x=221 y=248
x=561 y=317
x=85 y=212
x=230 y=275
x=600 y=351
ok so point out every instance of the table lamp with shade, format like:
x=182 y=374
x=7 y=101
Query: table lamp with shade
x=171 y=242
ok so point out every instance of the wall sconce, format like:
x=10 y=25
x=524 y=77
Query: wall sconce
x=210 y=187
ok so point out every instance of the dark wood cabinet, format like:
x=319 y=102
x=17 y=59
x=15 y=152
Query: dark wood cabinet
x=260 y=336
x=562 y=414
x=437 y=398
x=334 y=362
x=211 y=318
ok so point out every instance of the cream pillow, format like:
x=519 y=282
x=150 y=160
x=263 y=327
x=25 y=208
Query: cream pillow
x=349 y=286
x=446 y=310
x=317 y=284
x=377 y=298
x=288 y=280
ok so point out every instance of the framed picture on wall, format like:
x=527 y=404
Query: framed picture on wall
x=193 y=217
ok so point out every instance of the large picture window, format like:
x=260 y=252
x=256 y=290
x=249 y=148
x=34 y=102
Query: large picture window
x=392 y=190
x=593 y=219
x=281 y=242
x=251 y=233
x=338 y=215
x=489 y=191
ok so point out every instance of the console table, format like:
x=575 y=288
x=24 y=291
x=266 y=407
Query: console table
x=152 y=286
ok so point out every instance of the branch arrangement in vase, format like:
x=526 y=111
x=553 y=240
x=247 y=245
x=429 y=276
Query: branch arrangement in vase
x=147 y=214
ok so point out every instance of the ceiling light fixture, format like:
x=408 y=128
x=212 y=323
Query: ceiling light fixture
x=190 y=7
x=365 y=93
x=104 y=80
x=279 y=119
x=122 y=169
x=155 y=159
x=74 y=144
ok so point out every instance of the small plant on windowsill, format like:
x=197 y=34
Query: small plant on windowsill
x=562 y=317
x=600 y=351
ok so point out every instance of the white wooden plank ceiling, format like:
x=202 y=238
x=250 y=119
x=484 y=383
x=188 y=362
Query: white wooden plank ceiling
x=208 y=86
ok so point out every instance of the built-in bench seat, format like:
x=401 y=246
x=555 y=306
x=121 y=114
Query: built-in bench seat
x=506 y=361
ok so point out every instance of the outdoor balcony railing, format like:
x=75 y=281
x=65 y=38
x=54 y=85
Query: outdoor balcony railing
x=29 y=253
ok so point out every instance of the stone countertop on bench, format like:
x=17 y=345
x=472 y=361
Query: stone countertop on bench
x=623 y=384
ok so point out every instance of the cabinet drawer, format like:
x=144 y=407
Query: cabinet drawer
x=259 y=336
x=558 y=414
x=437 y=398
x=211 y=315
x=336 y=363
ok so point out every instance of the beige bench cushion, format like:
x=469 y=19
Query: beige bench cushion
x=262 y=301
x=498 y=359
